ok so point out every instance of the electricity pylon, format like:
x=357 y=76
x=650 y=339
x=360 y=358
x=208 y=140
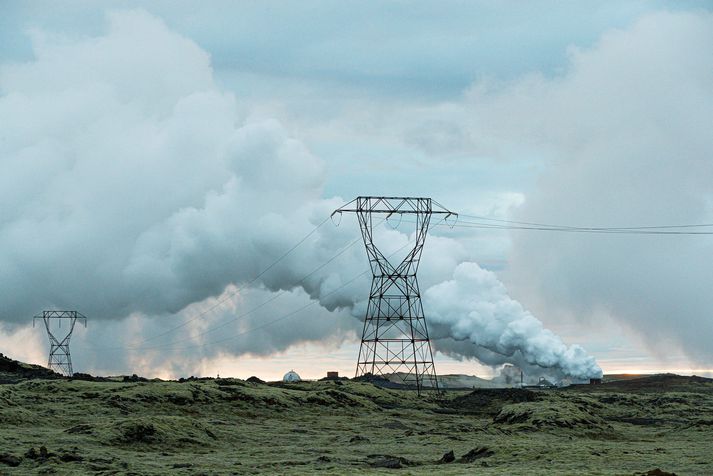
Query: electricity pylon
x=395 y=340
x=60 y=360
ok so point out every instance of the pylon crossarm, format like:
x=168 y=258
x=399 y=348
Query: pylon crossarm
x=395 y=205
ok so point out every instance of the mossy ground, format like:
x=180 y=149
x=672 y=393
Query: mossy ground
x=235 y=427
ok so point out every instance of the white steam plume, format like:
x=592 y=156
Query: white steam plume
x=474 y=306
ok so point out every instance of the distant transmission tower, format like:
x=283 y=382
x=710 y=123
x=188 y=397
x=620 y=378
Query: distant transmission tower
x=60 y=360
x=395 y=339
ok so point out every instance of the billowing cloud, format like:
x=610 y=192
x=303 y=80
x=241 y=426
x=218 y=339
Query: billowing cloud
x=135 y=191
x=625 y=137
x=474 y=306
x=128 y=169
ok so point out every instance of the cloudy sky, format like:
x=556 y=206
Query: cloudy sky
x=159 y=158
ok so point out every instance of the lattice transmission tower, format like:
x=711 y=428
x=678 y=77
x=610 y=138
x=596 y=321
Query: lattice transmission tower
x=395 y=340
x=60 y=360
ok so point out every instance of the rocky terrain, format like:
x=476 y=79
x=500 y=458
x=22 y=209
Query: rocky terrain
x=51 y=425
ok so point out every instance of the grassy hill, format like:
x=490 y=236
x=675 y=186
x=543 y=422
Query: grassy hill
x=49 y=424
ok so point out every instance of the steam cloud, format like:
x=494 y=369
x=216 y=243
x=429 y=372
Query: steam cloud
x=151 y=192
x=626 y=131
x=475 y=306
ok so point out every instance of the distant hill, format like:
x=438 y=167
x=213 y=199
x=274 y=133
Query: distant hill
x=616 y=377
x=466 y=381
x=452 y=381
x=652 y=383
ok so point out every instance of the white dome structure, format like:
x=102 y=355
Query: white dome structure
x=291 y=376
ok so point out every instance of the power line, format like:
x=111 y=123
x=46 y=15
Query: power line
x=501 y=225
x=621 y=231
x=235 y=291
x=255 y=308
x=245 y=314
x=289 y=314
x=169 y=345
x=587 y=228
x=269 y=323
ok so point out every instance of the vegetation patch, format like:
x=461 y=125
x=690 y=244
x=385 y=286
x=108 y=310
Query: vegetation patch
x=551 y=415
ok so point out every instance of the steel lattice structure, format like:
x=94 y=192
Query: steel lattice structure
x=59 y=359
x=395 y=338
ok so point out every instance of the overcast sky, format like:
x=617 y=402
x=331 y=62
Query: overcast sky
x=157 y=156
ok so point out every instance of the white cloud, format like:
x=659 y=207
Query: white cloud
x=626 y=136
x=133 y=187
x=474 y=306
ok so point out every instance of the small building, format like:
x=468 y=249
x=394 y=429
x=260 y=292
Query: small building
x=332 y=374
x=291 y=376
